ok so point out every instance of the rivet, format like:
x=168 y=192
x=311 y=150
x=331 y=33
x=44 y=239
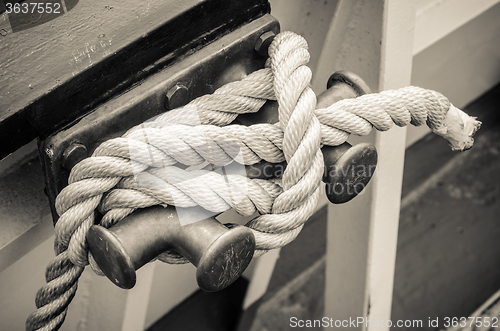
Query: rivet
x=263 y=42
x=176 y=97
x=73 y=154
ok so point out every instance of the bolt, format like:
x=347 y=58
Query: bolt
x=73 y=154
x=262 y=44
x=176 y=97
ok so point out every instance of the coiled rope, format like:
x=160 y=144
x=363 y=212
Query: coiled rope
x=142 y=169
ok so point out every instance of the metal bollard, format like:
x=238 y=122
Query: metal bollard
x=348 y=169
x=220 y=254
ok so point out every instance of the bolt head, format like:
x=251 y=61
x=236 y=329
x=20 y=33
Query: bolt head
x=73 y=154
x=176 y=97
x=263 y=42
x=346 y=77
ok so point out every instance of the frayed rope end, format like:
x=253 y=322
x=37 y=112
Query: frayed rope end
x=458 y=128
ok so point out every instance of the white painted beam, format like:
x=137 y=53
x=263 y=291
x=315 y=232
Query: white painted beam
x=374 y=39
x=395 y=71
x=136 y=307
x=437 y=18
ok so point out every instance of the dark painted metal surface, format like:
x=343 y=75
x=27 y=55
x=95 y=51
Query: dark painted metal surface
x=220 y=254
x=54 y=74
x=214 y=311
x=226 y=59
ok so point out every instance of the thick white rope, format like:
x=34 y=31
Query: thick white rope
x=140 y=169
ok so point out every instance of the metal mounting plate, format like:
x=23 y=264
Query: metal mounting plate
x=202 y=71
x=54 y=74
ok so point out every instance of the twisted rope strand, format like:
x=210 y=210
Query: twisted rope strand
x=226 y=103
x=192 y=146
x=140 y=169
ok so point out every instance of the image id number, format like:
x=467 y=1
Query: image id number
x=471 y=321
x=31 y=8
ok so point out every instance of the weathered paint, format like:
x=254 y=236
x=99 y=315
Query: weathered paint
x=58 y=71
